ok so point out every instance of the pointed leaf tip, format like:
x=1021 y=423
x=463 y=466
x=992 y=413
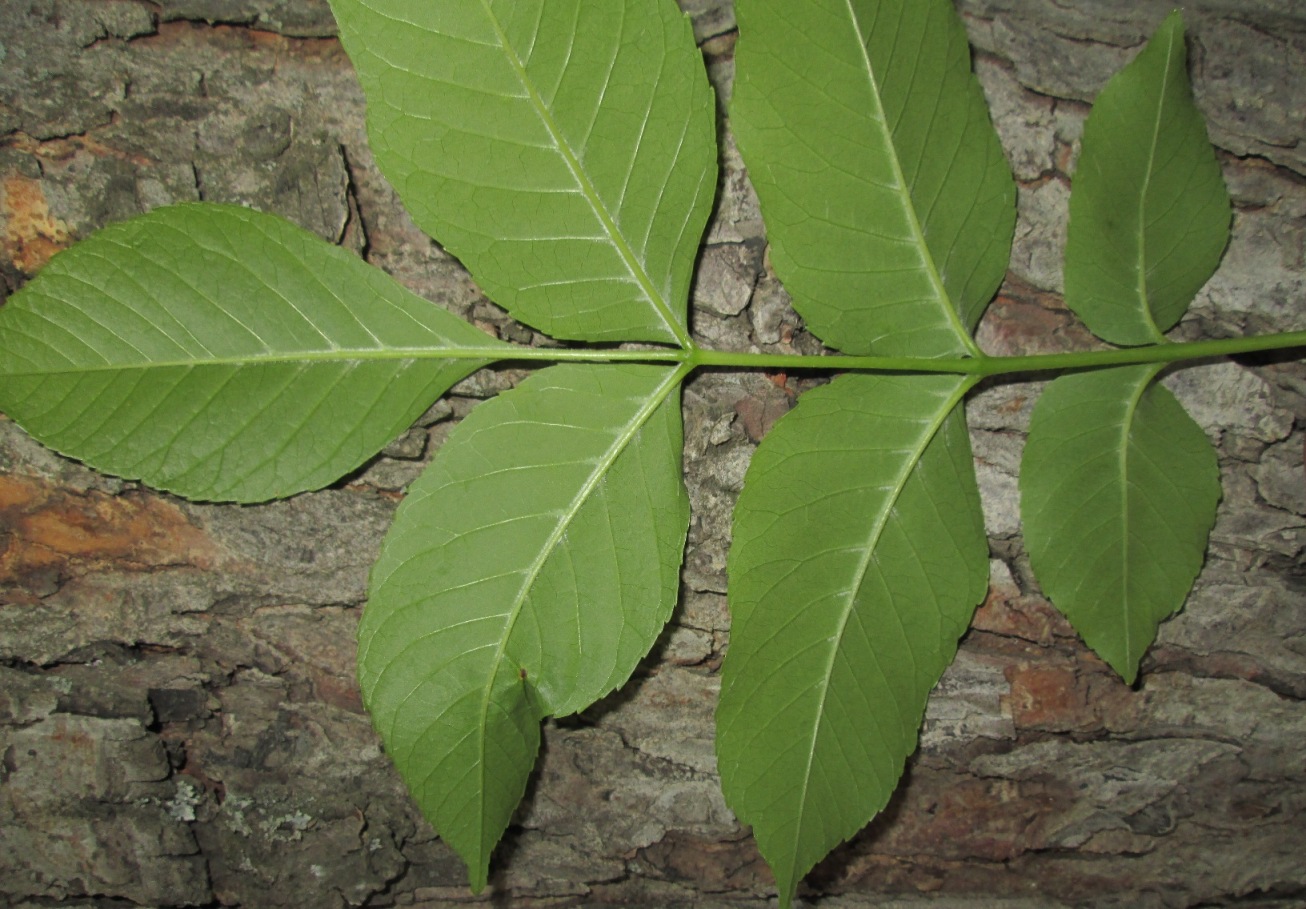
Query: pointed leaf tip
x=217 y=347
x=858 y=558
x=530 y=568
x=1149 y=210
x=563 y=150
x=888 y=201
x=1119 y=489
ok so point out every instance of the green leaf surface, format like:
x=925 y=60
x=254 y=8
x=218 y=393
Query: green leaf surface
x=530 y=568
x=1149 y=212
x=888 y=202
x=224 y=354
x=1118 y=494
x=565 y=150
x=858 y=558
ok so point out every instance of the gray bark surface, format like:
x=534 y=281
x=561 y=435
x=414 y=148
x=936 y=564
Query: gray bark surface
x=179 y=720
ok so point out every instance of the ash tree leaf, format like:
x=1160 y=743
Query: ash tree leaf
x=1119 y=489
x=530 y=568
x=563 y=150
x=888 y=202
x=858 y=558
x=224 y=354
x=1149 y=211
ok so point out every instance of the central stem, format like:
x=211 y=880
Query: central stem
x=971 y=366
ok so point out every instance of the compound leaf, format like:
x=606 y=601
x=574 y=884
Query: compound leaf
x=210 y=350
x=530 y=568
x=888 y=202
x=1118 y=494
x=858 y=558
x=565 y=150
x=1149 y=211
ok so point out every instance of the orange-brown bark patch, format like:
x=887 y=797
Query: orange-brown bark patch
x=951 y=816
x=1050 y=698
x=31 y=235
x=44 y=527
x=1008 y=612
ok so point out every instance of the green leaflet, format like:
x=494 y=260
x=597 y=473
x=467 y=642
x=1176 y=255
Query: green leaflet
x=1149 y=212
x=1119 y=486
x=564 y=150
x=531 y=567
x=859 y=555
x=889 y=205
x=1118 y=494
x=211 y=351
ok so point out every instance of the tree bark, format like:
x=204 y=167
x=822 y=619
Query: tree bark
x=179 y=720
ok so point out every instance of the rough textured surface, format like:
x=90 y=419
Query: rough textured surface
x=179 y=725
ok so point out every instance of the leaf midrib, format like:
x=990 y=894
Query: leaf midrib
x=1143 y=296
x=565 y=518
x=878 y=116
x=1126 y=431
x=859 y=577
x=339 y=355
x=587 y=188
